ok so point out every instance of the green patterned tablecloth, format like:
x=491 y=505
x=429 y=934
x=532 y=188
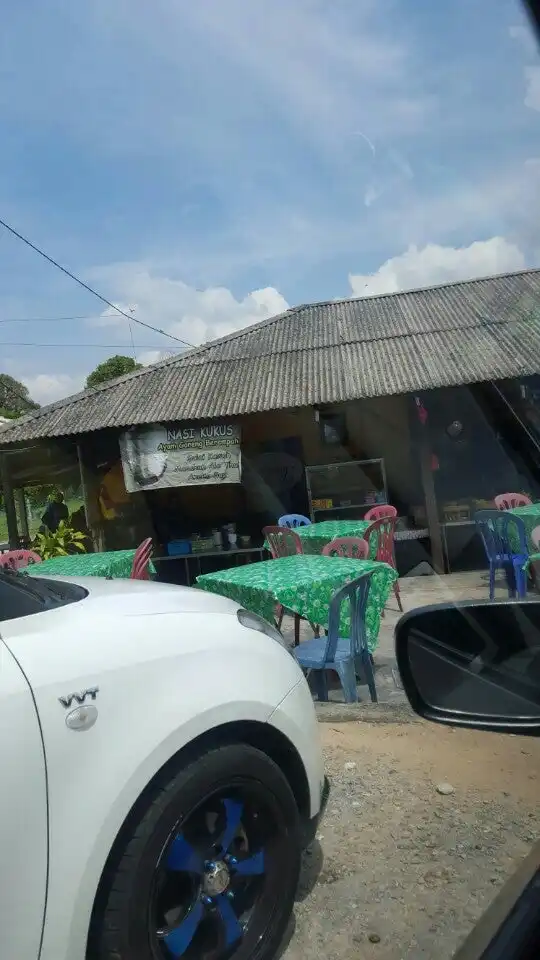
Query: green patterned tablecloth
x=533 y=558
x=114 y=563
x=305 y=585
x=315 y=536
x=530 y=515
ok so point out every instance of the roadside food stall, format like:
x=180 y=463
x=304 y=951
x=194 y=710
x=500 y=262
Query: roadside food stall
x=191 y=480
x=204 y=491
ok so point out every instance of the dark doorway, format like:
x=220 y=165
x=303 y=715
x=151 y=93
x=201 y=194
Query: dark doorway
x=274 y=479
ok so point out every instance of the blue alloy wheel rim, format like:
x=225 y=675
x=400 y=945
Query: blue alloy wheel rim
x=215 y=870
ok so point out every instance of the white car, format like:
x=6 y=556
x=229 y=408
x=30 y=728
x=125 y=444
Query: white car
x=160 y=772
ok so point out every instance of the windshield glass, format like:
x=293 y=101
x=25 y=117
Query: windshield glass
x=22 y=595
x=318 y=293
x=269 y=326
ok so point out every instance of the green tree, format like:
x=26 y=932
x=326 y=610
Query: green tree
x=15 y=398
x=110 y=369
x=38 y=495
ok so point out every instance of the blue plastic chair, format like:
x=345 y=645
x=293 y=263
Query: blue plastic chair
x=495 y=528
x=347 y=656
x=293 y=520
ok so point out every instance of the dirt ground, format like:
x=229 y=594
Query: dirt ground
x=406 y=871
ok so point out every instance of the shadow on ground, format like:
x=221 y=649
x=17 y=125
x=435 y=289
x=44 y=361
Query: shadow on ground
x=415 y=592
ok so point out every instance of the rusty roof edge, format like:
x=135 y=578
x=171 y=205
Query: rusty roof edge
x=135 y=374
x=441 y=379
x=178 y=359
x=122 y=424
x=426 y=289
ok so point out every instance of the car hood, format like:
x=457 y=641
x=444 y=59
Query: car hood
x=135 y=598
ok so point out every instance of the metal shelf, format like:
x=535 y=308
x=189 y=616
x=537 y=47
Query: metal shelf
x=343 y=463
x=457 y=523
x=350 y=506
x=405 y=535
x=361 y=482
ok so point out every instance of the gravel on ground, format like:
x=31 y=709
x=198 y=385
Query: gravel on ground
x=423 y=827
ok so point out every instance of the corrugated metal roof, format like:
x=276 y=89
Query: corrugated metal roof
x=466 y=332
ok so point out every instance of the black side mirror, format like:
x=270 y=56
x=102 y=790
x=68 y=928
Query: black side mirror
x=473 y=664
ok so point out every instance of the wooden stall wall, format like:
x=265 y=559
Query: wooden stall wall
x=375 y=428
x=276 y=447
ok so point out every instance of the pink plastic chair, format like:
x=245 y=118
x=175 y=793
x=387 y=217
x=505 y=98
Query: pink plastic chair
x=282 y=541
x=384 y=530
x=377 y=513
x=507 y=501
x=17 y=559
x=354 y=547
x=139 y=570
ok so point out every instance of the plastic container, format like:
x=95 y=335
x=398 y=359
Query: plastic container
x=202 y=545
x=179 y=548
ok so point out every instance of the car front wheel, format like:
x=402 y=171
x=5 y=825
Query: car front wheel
x=208 y=867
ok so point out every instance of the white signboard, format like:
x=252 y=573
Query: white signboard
x=177 y=456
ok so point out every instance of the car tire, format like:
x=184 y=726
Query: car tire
x=158 y=902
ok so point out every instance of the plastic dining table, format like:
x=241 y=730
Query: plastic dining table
x=304 y=584
x=111 y=563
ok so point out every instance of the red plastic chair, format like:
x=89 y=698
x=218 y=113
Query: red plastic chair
x=282 y=541
x=384 y=530
x=507 y=501
x=377 y=513
x=354 y=547
x=17 y=559
x=139 y=570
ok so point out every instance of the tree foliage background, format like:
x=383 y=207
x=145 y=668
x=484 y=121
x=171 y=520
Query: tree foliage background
x=15 y=401
x=15 y=398
x=114 y=367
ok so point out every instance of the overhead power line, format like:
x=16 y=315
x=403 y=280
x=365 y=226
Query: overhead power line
x=86 y=346
x=45 y=319
x=81 y=283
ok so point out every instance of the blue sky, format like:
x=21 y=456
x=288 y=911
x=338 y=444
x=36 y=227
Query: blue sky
x=207 y=164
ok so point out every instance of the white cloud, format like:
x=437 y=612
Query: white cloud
x=210 y=72
x=315 y=60
x=531 y=72
x=532 y=96
x=525 y=37
x=434 y=264
x=190 y=314
x=148 y=357
x=45 y=388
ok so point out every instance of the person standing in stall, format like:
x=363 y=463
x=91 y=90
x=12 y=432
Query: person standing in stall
x=55 y=511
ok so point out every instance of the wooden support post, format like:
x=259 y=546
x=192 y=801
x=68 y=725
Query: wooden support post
x=20 y=501
x=437 y=553
x=84 y=486
x=9 y=504
x=91 y=510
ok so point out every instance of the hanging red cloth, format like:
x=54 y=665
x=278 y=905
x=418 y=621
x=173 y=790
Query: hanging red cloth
x=421 y=411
